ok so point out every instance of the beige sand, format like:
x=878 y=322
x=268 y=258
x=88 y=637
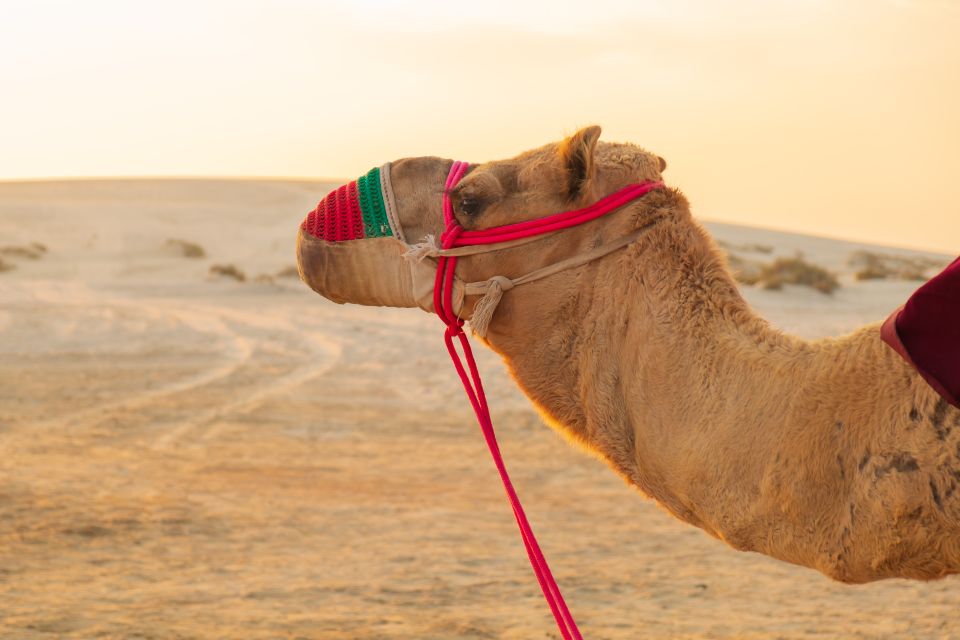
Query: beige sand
x=189 y=456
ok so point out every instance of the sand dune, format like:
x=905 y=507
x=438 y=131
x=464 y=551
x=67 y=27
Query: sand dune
x=191 y=456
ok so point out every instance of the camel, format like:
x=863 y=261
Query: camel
x=832 y=454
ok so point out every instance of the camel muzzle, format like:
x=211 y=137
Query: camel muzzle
x=351 y=248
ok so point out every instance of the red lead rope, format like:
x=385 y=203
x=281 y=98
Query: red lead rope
x=454 y=236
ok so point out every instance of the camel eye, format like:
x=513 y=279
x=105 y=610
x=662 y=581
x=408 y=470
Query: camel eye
x=470 y=206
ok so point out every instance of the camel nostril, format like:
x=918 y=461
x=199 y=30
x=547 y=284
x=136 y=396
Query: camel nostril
x=351 y=212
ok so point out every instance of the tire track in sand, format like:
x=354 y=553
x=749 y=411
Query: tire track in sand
x=242 y=335
x=236 y=352
x=323 y=354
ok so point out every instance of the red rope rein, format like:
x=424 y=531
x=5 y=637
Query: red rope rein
x=456 y=236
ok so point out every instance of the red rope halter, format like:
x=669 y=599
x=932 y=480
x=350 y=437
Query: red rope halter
x=456 y=236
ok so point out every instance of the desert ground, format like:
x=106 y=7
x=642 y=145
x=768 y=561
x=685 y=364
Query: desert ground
x=194 y=445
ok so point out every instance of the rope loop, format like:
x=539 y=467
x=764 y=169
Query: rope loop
x=426 y=248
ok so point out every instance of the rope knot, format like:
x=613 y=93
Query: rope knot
x=503 y=282
x=483 y=311
x=453 y=330
x=427 y=248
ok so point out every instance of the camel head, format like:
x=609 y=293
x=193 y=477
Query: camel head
x=356 y=245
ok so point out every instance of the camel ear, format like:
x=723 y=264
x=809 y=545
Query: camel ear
x=663 y=163
x=577 y=154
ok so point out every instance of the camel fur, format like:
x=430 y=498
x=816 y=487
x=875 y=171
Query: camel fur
x=833 y=454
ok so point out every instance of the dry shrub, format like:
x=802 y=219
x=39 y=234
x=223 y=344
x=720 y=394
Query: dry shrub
x=288 y=272
x=796 y=270
x=6 y=266
x=772 y=282
x=883 y=266
x=745 y=271
x=872 y=272
x=32 y=251
x=228 y=271
x=186 y=248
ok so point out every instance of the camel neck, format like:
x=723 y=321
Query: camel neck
x=742 y=430
x=662 y=369
x=800 y=450
x=703 y=374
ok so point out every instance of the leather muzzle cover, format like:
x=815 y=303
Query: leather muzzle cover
x=365 y=264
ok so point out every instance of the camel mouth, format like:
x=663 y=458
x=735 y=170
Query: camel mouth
x=368 y=271
x=351 y=248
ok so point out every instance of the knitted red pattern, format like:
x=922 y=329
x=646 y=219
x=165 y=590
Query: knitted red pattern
x=338 y=216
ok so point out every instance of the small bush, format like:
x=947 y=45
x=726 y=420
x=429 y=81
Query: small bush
x=797 y=271
x=744 y=271
x=228 y=271
x=882 y=266
x=6 y=266
x=33 y=251
x=772 y=282
x=288 y=272
x=186 y=248
x=913 y=274
x=871 y=273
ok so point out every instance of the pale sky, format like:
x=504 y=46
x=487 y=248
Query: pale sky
x=833 y=118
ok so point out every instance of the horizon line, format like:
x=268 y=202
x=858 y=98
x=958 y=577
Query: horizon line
x=715 y=218
x=114 y=178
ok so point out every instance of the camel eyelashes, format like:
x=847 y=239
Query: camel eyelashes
x=468 y=205
x=471 y=206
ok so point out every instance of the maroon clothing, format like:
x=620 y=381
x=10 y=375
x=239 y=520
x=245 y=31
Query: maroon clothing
x=926 y=332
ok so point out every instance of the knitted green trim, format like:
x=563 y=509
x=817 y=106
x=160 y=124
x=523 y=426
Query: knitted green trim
x=375 y=223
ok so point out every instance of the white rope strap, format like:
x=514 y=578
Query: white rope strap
x=492 y=289
x=429 y=248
